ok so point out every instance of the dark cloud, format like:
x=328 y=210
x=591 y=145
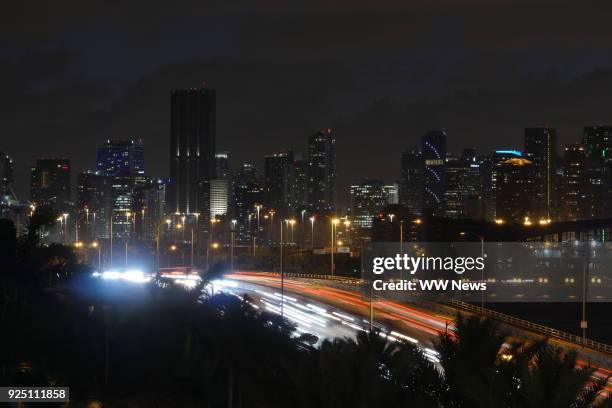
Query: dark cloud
x=75 y=73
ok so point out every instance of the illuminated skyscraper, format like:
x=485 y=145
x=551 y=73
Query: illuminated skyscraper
x=247 y=192
x=222 y=166
x=6 y=178
x=411 y=181
x=192 y=148
x=462 y=191
x=541 y=149
x=121 y=158
x=516 y=192
x=322 y=171
x=93 y=204
x=392 y=193
x=368 y=198
x=298 y=182
x=433 y=150
x=50 y=183
x=219 y=193
x=276 y=181
x=597 y=142
x=575 y=187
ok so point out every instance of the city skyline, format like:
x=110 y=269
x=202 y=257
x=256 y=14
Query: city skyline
x=393 y=80
x=343 y=195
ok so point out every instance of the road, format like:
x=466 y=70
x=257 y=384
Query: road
x=343 y=312
x=314 y=311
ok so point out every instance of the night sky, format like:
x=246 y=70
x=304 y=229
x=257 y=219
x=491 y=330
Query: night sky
x=74 y=73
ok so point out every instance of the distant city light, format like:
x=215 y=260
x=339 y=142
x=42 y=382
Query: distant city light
x=516 y=153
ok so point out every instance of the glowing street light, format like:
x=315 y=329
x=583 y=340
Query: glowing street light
x=65 y=215
x=334 y=222
x=312 y=220
x=211 y=236
x=99 y=248
x=292 y=223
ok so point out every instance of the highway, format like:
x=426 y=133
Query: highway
x=315 y=314
x=343 y=312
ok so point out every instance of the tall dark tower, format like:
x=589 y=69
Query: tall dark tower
x=322 y=171
x=433 y=149
x=411 y=181
x=50 y=183
x=192 y=148
x=540 y=148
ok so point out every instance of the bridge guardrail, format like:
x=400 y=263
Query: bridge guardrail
x=535 y=327
x=342 y=279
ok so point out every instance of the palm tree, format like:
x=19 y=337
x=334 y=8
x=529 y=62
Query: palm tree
x=470 y=360
x=480 y=370
x=554 y=381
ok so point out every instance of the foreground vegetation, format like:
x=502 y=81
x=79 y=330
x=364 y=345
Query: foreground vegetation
x=146 y=346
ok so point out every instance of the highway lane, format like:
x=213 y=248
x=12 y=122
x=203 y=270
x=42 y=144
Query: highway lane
x=421 y=325
x=313 y=315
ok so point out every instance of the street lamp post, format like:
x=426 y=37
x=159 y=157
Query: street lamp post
x=347 y=224
x=292 y=223
x=312 y=220
x=282 y=275
x=271 y=212
x=210 y=240
x=183 y=223
x=258 y=208
x=197 y=235
x=232 y=244
x=127 y=235
x=192 y=247
x=481 y=238
x=99 y=247
x=65 y=215
x=111 y=239
x=334 y=222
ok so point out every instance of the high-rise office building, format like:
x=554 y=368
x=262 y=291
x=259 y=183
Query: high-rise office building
x=322 y=171
x=276 y=181
x=150 y=209
x=516 y=192
x=392 y=193
x=462 y=190
x=411 y=181
x=433 y=150
x=541 y=149
x=575 y=188
x=368 y=198
x=93 y=192
x=597 y=142
x=124 y=201
x=6 y=178
x=489 y=171
x=248 y=191
x=121 y=158
x=192 y=149
x=50 y=183
x=219 y=194
x=298 y=186
x=222 y=165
